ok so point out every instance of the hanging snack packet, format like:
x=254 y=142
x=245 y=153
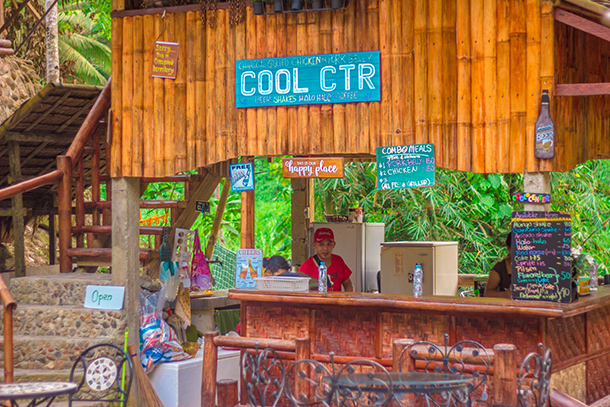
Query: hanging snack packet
x=201 y=277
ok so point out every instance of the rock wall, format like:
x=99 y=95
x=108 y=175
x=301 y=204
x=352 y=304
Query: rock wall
x=18 y=83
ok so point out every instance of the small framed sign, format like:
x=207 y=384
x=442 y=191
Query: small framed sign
x=242 y=176
x=409 y=166
x=165 y=60
x=321 y=167
x=104 y=297
x=202 y=206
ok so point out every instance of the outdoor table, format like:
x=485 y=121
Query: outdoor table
x=405 y=382
x=38 y=392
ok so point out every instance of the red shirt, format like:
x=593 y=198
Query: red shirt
x=338 y=272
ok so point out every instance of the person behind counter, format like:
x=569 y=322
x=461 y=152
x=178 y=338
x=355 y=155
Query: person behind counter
x=499 y=280
x=279 y=266
x=338 y=272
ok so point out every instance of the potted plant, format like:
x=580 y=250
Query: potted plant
x=317 y=4
x=297 y=4
x=278 y=6
x=258 y=7
x=336 y=4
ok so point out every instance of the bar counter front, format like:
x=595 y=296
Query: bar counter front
x=366 y=324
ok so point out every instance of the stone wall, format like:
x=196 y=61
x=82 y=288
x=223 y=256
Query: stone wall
x=18 y=83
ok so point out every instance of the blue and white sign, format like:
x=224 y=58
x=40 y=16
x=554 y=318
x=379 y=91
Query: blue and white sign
x=308 y=80
x=104 y=297
x=242 y=176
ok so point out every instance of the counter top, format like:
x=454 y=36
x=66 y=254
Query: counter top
x=220 y=299
x=431 y=304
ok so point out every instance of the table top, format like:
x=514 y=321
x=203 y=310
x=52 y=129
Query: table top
x=408 y=382
x=29 y=390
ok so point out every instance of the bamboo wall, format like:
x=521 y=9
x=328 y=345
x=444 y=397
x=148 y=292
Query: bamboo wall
x=465 y=75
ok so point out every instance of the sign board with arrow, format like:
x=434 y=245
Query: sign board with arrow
x=308 y=80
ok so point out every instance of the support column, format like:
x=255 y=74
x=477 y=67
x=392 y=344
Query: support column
x=302 y=214
x=64 y=213
x=126 y=252
x=52 y=239
x=537 y=182
x=247 y=220
x=14 y=159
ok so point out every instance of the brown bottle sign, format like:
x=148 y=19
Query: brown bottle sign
x=544 y=147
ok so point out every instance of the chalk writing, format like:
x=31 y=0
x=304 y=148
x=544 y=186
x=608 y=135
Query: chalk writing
x=409 y=166
x=541 y=244
x=328 y=167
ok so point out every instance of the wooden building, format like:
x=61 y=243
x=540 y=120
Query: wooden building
x=466 y=75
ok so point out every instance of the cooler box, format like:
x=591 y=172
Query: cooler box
x=439 y=262
x=178 y=384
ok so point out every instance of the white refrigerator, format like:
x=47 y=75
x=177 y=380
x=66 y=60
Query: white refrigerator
x=360 y=246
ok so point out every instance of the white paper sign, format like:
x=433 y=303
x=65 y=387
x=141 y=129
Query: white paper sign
x=104 y=297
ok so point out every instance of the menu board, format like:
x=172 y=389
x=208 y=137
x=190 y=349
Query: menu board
x=540 y=249
x=410 y=166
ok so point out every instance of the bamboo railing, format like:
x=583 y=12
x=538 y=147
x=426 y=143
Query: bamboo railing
x=9 y=306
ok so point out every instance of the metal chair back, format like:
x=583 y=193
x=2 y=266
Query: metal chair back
x=534 y=379
x=104 y=373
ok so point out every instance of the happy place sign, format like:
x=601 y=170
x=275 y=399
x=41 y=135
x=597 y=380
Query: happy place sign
x=308 y=79
x=321 y=167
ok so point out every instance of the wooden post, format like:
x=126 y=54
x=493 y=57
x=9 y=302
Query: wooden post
x=247 y=220
x=222 y=203
x=126 y=250
x=64 y=211
x=8 y=344
x=302 y=214
x=52 y=231
x=408 y=364
x=227 y=392
x=14 y=159
x=303 y=351
x=210 y=366
x=537 y=182
x=79 y=207
x=504 y=378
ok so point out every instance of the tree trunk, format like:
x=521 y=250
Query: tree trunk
x=52 y=44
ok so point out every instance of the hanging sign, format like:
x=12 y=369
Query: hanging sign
x=541 y=267
x=242 y=176
x=308 y=79
x=202 y=206
x=410 y=166
x=320 y=167
x=165 y=60
x=528 y=197
x=104 y=297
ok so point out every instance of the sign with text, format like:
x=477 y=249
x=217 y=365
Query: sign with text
x=320 y=167
x=104 y=297
x=249 y=265
x=410 y=166
x=529 y=197
x=308 y=80
x=202 y=206
x=165 y=60
x=541 y=267
x=242 y=176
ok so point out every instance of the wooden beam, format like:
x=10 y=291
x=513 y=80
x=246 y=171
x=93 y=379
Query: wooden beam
x=14 y=159
x=582 y=24
x=38 y=138
x=582 y=89
x=222 y=203
x=27 y=159
x=13 y=16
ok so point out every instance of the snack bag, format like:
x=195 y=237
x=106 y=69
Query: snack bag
x=201 y=277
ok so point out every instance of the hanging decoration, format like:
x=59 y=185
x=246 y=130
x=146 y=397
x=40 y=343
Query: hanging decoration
x=208 y=12
x=237 y=12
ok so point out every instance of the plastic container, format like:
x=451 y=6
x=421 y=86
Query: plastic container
x=322 y=276
x=418 y=276
x=593 y=273
x=283 y=284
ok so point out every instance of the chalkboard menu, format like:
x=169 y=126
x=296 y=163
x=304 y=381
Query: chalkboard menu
x=540 y=250
x=410 y=166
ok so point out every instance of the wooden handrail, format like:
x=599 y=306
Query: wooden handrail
x=9 y=306
x=30 y=184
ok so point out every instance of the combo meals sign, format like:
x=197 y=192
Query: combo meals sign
x=308 y=79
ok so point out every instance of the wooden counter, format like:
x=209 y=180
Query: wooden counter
x=365 y=325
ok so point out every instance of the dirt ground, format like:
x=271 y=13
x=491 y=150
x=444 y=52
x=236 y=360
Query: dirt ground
x=36 y=249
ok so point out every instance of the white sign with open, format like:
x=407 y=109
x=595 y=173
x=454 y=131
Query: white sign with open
x=104 y=297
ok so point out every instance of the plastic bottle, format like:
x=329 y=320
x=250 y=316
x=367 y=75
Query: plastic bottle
x=322 y=276
x=593 y=276
x=418 y=276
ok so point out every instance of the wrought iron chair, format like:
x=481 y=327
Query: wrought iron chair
x=104 y=373
x=534 y=379
x=463 y=358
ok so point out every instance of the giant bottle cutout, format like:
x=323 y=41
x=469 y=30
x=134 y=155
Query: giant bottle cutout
x=545 y=130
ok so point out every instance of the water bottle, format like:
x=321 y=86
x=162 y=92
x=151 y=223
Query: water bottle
x=322 y=276
x=418 y=276
x=593 y=276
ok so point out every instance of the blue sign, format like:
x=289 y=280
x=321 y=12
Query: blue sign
x=308 y=80
x=104 y=297
x=242 y=176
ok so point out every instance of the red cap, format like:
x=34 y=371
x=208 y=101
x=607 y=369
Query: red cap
x=323 y=234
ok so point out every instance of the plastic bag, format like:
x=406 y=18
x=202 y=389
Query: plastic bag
x=169 y=277
x=158 y=341
x=201 y=277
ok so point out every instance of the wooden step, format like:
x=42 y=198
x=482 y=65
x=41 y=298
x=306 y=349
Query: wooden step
x=107 y=230
x=102 y=252
x=143 y=204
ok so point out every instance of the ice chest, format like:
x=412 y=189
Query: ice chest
x=178 y=384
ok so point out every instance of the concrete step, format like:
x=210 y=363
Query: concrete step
x=66 y=321
x=55 y=289
x=52 y=353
